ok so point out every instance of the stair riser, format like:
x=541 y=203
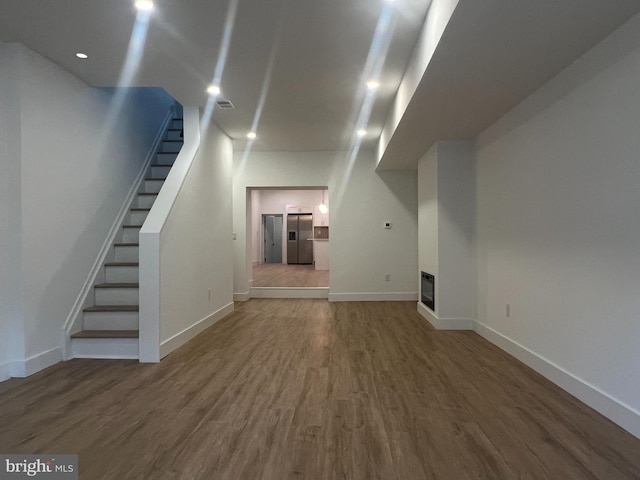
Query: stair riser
x=152 y=186
x=144 y=201
x=126 y=254
x=115 y=296
x=174 y=135
x=159 y=171
x=137 y=217
x=104 y=348
x=121 y=274
x=130 y=235
x=165 y=158
x=176 y=124
x=110 y=321
x=173 y=147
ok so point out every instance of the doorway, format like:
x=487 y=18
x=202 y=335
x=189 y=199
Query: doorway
x=272 y=245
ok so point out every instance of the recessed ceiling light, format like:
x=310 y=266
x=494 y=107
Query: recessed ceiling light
x=82 y=55
x=213 y=90
x=362 y=132
x=251 y=135
x=144 y=5
x=373 y=84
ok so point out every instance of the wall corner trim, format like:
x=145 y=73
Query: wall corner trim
x=444 y=323
x=35 y=363
x=241 y=296
x=618 y=412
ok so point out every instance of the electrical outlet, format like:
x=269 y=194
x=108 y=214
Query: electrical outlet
x=387 y=278
x=508 y=310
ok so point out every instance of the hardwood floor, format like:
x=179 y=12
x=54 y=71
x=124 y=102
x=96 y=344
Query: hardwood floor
x=306 y=389
x=279 y=275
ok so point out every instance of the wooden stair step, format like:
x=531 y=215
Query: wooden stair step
x=112 y=308
x=117 y=285
x=106 y=334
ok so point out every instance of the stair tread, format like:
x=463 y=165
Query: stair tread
x=112 y=308
x=121 y=264
x=118 y=285
x=106 y=334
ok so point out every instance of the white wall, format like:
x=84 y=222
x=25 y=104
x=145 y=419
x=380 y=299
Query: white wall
x=196 y=246
x=10 y=344
x=437 y=18
x=558 y=228
x=362 y=251
x=446 y=197
x=78 y=159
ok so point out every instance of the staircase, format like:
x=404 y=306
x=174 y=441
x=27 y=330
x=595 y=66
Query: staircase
x=110 y=325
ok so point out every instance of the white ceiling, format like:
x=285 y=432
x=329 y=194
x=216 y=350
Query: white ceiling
x=313 y=54
x=492 y=55
x=318 y=50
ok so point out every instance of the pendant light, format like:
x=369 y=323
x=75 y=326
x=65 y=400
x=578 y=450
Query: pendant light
x=322 y=207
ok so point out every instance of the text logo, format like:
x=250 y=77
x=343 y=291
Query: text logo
x=51 y=467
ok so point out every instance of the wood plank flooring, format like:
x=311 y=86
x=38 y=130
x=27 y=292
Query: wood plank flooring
x=280 y=275
x=305 y=389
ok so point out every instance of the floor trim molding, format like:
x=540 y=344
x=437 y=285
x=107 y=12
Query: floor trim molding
x=290 y=292
x=444 y=323
x=188 y=333
x=616 y=411
x=374 y=297
x=35 y=363
x=241 y=296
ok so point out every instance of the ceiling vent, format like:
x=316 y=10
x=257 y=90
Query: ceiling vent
x=225 y=105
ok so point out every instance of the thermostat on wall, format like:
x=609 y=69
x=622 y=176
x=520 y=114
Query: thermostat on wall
x=387 y=225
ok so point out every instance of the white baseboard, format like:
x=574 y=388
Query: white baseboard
x=444 y=323
x=290 y=292
x=24 y=368
x=616 y=411
x=242 y=296
x=187 y=334
x=374 y=297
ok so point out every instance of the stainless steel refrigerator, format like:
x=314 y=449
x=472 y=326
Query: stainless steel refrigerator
x=299 y=235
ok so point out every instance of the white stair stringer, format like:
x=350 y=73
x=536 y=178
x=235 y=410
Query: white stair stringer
x=110 y=325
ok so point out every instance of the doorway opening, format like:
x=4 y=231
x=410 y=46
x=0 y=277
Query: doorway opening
x=272 y=235
x=285 y=251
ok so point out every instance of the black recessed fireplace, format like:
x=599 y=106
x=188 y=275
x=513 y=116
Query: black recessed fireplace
x=427 y=290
